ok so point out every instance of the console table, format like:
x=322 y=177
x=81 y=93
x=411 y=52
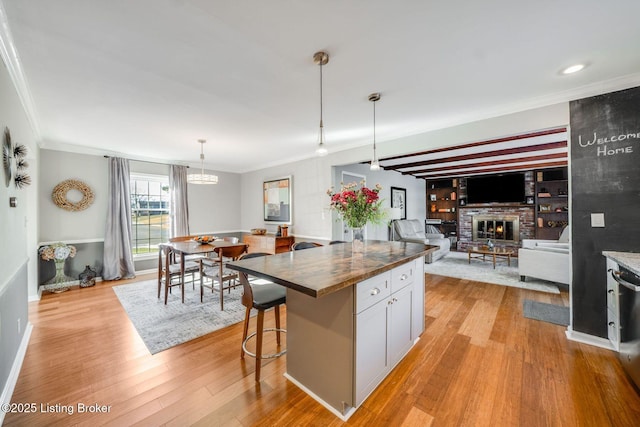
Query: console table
x=269 y=243
x=350 y=317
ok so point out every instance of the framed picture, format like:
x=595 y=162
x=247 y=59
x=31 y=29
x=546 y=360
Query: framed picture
x=545 y=208
x=529 y=200
x=276 y=195
x=399 y=200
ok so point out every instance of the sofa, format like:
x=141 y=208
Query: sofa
x=545 y=259
x=413 y=230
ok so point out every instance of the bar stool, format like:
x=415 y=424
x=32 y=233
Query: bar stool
x=261 y=297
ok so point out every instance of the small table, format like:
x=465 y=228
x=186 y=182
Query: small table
x=494 y=252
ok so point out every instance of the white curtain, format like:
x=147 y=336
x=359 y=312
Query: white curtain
x=118 y=259
x=179 y=202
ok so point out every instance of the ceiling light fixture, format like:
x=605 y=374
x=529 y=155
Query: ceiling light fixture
x=375 y=164
x=202 y=178
x=321 y=58
x=573 y=69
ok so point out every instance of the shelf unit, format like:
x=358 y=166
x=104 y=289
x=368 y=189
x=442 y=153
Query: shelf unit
x=552 y=202
x=442 y=204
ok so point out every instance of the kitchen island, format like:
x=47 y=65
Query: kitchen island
x=351 y=317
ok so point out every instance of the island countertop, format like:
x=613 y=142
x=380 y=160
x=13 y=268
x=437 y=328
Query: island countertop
x=323 y=270
x=630 y=260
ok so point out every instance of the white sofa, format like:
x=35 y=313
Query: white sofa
x=545 y=259
x=412 y=230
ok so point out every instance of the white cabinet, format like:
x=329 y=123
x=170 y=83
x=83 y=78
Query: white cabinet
x=387 y=327
x=613 y=311
x=342 y=345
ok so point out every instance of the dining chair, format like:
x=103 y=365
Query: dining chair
x=169 y=272
x=304 y=245
x=216 y=270
x=262 y=297
x=194 y=258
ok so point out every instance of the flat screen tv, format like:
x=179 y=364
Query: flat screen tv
x=505 y=188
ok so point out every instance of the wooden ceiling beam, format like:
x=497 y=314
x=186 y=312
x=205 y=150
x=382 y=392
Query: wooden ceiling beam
x=517 y=150
x=481 y=143
x=516 y=160
x=493 y=170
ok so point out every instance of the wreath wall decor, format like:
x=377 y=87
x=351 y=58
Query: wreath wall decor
x=61 y=190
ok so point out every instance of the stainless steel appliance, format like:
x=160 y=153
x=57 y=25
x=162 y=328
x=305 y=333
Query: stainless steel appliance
x=629 y=304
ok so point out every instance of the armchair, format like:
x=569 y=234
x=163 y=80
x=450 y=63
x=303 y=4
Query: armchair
x=411 y=230
x=545 y=259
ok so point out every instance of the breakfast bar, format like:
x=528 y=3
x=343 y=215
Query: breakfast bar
x=351 y=317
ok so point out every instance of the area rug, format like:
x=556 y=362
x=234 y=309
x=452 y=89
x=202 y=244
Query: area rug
x=456 y=264
x=546 y=312
x=163 y=326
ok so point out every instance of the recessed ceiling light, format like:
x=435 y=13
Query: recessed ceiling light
x=573 y=69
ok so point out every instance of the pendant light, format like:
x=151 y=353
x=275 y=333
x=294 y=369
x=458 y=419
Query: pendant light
x=321 y=58
x=375 y=164
x=202 y=178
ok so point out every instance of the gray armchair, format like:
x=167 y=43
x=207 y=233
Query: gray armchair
x=412 y=230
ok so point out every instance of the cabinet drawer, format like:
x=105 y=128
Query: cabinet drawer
x=402 y=276
x=372 y=290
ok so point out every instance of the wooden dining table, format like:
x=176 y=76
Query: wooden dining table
x=191 y=247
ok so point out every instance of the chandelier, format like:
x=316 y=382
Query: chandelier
x=202 y=178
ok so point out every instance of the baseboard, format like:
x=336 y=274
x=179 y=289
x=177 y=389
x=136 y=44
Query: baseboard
x=15 y=369
x=588 y=339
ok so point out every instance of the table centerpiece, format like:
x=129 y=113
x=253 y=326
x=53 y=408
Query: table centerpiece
x=357 y=205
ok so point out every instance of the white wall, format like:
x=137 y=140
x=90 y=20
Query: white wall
x=18 y=232
x=57 y=224
x=18 y=226
x=312 y=177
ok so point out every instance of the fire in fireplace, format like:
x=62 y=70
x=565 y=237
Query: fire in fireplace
x=496 y=227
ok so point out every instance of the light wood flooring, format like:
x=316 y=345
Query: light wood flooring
x=479 y=363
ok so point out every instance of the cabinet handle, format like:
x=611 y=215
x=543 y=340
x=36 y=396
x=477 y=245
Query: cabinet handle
x=404 y=277
x=394 y=299
x=611 y=291
x=389 y=302
x=375 y=291
x=612 y=323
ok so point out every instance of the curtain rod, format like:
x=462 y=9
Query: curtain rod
x=147 y=161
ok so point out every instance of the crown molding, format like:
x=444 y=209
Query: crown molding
x=9 y=55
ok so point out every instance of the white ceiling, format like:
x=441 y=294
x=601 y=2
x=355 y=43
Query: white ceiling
x=148 y=78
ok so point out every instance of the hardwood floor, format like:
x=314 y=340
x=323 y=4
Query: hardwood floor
x=479 y=363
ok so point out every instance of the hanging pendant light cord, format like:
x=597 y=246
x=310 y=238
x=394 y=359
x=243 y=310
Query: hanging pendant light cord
x=374 y=130
x=321 y=121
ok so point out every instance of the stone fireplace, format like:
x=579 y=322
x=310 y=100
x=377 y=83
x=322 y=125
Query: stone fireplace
x=477 y=223
x=498 y=228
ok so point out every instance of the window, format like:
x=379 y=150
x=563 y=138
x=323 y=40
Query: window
x=150 y=207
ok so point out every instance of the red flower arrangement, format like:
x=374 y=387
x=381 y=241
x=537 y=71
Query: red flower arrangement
x=357 y=206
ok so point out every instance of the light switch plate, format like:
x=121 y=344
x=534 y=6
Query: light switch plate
x=597 y=220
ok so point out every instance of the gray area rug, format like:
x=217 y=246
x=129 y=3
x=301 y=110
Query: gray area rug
x=164 y=326
x=546 y=312
x=456 y=264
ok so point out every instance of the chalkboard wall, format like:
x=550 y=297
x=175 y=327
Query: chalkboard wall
x=605 y=178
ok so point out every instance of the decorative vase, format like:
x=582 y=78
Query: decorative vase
x=357 y=242
x=87 y=277
x=60 y=279
x=490 y=244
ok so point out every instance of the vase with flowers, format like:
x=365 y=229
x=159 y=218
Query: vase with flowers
x=357 y=205
x=58 y=253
